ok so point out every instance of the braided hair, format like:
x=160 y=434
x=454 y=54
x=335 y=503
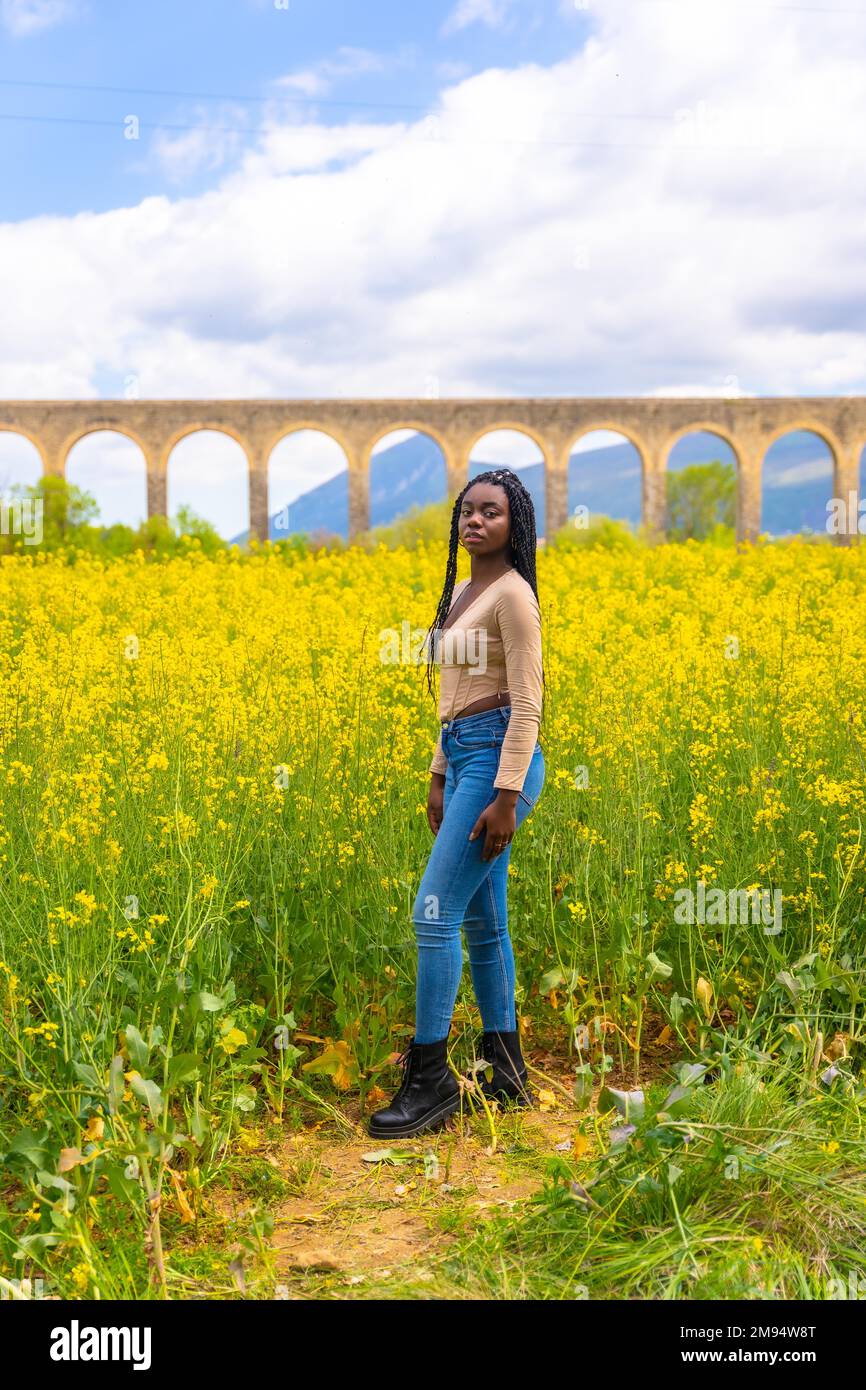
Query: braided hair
x=523 y=545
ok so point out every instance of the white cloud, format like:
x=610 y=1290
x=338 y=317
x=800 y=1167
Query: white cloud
x=506 y=449
x=708 y=390
x=452 y=70
x=493 y=13
x=213 y=142
x=512 y=245
x=23 y=17
x=321 y=77
x=796 y=474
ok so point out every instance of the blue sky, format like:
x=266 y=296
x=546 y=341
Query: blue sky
x=497 y=197
x=370 y=61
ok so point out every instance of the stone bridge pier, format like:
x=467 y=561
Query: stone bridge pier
x=750 y=425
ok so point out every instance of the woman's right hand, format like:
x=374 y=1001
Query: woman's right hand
x=435 y=800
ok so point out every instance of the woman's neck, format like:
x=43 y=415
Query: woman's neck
x=484 y=570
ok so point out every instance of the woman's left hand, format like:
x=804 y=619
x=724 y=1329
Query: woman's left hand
x=500 y=822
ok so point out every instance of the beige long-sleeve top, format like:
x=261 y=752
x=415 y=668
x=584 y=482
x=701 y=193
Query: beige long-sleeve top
x=495 y=644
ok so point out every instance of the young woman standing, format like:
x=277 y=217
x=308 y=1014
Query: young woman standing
x=487 y=774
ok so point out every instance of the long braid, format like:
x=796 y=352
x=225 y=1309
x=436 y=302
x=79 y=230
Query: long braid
x=523 y=548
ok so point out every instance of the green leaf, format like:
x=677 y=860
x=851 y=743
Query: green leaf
x=677 y=1006
x=87 y=1074
x=245 y=1099
x=28 y=1145
x=689 y=1072
x=551 y=980
x=784 y=977
x=115 y=1084
x=630 y=1104
x=582 y=1083
x=53 y=1180
x=198 y=1128
x=184 y=1066
x=123 y=1188
x=204 y=1002
x=677 y=1103
x=149 y=1094
x=138 y=1050
x=30 y=1246
x=659 y=969
x=620 y=1136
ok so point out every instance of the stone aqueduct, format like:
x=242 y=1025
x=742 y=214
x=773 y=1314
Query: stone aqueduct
x=653 y=425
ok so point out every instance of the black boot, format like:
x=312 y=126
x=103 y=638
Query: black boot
x=428 y=1093
x=509 y=1069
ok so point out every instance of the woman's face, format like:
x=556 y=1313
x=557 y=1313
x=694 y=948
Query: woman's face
x=484 y=524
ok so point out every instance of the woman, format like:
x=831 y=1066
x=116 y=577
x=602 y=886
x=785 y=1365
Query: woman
x=487 y=774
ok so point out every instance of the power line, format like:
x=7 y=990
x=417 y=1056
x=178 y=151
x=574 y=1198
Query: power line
x=303 y=101
x=348 y=105
x=118 y=123
x=210 y=96
x=312 y=101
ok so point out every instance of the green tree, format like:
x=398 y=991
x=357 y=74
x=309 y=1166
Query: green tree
x=66 y=512
x=602 y=532
x=700 y=499
x=428 y=524
x=189 y=523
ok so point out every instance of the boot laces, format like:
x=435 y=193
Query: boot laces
x=405 y=1061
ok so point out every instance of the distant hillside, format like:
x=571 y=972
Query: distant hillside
x=797 y=484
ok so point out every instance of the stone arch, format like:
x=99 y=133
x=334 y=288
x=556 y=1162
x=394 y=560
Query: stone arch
x=423 y=453
x=613 y=427
x=92 y=445
x=418 y=428
x=316 y=427
x=796 y=426
x=809 y=508
x=31 y=439
x=314 y=515
x=202 y=427
x=99 y=427
x=510 y=426
x=240 y=480
x=595 y=495
x=701 y=427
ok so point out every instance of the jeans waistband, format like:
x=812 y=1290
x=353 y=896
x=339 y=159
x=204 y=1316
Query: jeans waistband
x=498 y=715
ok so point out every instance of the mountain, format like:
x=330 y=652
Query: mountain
x=798 y=480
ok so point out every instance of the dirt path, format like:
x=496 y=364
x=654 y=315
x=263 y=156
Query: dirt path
x=356 y=1224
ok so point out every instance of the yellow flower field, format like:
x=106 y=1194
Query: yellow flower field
x=212 y=827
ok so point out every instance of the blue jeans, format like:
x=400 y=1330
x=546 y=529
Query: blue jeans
x=458 y=887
